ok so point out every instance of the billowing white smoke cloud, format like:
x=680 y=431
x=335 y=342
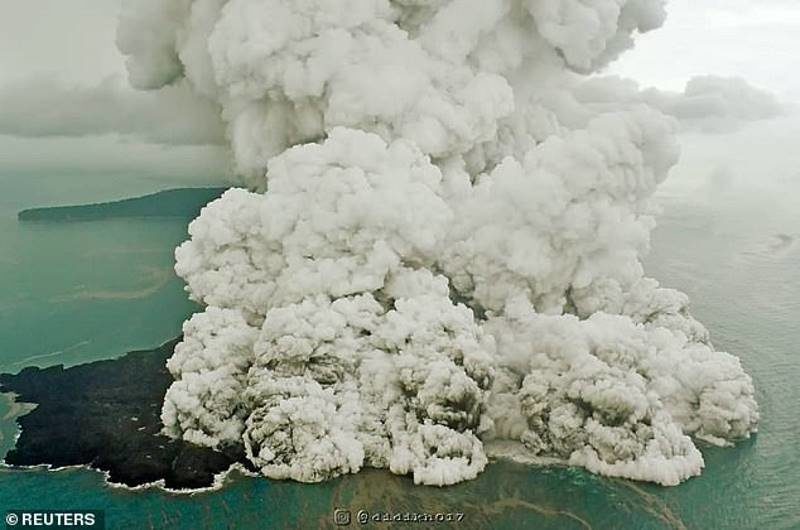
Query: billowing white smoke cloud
x=448 y=249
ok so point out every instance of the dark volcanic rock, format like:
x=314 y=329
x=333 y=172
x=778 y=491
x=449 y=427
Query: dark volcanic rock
x=106 y=415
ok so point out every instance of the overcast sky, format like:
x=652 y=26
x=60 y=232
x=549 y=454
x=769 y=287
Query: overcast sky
x=73 y=40
x=753 y=39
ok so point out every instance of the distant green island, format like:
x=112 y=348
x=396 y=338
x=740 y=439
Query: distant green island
x=182 y=203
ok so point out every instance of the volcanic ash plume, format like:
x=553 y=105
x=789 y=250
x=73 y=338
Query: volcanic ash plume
x=441 y=245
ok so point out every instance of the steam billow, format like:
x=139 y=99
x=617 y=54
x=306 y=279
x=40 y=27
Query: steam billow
x=438 y=242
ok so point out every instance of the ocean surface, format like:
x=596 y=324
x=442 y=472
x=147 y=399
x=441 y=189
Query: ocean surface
x=76 y=292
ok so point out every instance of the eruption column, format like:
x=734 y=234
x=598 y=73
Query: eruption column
x=440 y=245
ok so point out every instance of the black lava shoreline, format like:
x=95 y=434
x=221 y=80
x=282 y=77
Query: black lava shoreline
x=106 y=415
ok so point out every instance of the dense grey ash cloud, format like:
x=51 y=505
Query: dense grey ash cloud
x=43 y=106
x=709 y=104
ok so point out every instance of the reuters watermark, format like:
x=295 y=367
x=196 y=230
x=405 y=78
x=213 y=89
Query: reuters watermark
x=17 y=519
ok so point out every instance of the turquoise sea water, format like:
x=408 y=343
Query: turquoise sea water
x=72 y=292
x=77 y=292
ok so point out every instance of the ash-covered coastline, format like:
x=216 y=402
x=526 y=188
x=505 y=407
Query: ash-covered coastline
x=106 y=415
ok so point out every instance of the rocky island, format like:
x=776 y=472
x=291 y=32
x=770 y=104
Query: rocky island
x=182 y=202
x=106 y=415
